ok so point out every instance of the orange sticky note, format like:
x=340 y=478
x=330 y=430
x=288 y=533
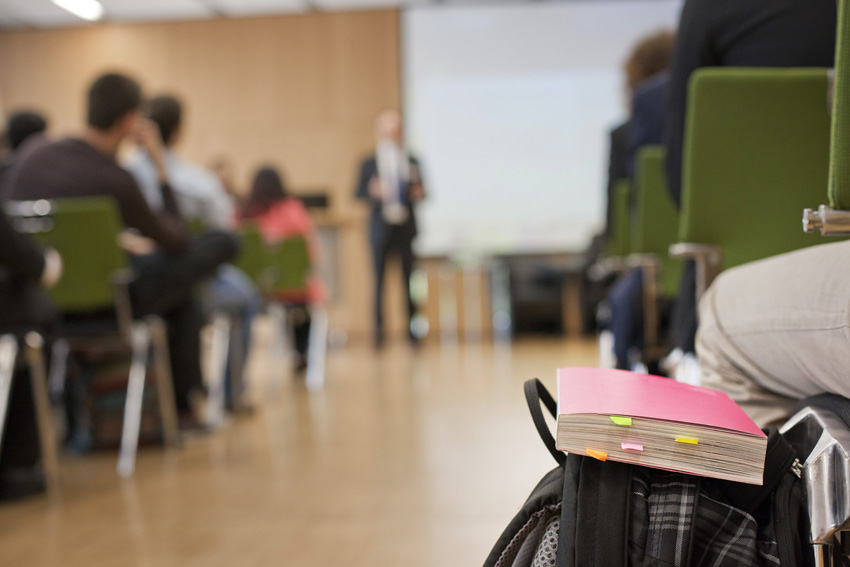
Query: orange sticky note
x=598 y=455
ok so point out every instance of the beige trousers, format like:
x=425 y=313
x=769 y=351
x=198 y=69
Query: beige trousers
x=778 y=330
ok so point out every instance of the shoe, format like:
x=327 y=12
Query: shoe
x=18 y=483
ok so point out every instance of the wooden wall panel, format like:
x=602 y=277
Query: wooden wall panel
x=298 y=91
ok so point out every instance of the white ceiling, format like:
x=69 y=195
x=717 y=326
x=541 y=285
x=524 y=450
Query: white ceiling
x=43 y=13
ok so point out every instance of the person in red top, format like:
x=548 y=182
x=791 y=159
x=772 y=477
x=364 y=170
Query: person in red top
x=277 y=216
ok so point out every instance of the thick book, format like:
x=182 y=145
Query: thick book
x=657 y=422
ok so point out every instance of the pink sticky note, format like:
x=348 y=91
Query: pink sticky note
x=631 y=446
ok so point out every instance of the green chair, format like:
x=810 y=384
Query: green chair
x=654 y=229
x=290 y=269
x=756 y=151
x=95 y=280
x=620 y=232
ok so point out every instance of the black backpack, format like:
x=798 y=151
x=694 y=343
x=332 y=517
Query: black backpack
x=590 y=513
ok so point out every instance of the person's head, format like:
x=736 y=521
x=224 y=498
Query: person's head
x=167 y=113
x=22 y=125
x=114 y=101
x=267 y=189
x=388 y=126
x=650 y=56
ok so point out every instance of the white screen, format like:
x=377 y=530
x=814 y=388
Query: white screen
x=509 y=109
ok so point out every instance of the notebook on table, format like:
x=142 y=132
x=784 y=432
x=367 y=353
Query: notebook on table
x=657 y=422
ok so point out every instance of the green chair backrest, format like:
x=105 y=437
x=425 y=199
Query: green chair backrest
x=839 y=166
x=756 y=152
x=291 y=262
x=85 y=232
x=656 y=220
x=618 y=235
x=254 y=256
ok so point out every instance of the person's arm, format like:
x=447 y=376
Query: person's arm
x=147 y=136
x=23 y=259
x=365 y=190
x=693 y=50
x=417 y=184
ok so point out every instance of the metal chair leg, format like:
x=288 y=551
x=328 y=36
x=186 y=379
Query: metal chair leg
x=8 y=354
x=218 y=369
x=164 y=383
x=278 y=340
x=317 y=348
x=41 y=399
x=140 y=340
x=237 y=361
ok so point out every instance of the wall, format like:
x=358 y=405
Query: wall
x=300 y=91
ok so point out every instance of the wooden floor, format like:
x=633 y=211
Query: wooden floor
x=406 y=459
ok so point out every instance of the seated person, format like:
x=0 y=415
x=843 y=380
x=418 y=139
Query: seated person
x=277 y=215
x=202 y=200
x=24 y=307
x=776 y=331
x=167 y=263
x=21 y=126
x=760 y=33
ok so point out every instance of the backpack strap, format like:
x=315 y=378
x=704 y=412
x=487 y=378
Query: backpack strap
x=535 y=394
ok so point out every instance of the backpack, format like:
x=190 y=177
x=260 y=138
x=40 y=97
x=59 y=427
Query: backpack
x=590 y=513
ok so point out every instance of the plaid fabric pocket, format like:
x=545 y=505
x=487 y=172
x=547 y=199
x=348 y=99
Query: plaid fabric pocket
x=675 y=524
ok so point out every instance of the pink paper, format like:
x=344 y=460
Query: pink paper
x=606 y=391
x=631 y=446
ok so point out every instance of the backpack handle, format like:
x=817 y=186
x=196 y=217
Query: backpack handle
x=535 y=393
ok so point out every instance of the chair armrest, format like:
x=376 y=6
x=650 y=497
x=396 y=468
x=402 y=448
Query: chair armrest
x=707 y=258
x=829 y=221
x=606 y=267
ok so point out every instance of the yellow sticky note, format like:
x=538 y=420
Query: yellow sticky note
x=688 y=440
x=598 y=455
x=621 y=420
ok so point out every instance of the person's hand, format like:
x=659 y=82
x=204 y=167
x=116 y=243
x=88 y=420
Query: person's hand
x=147 y=136
x=53 y=268
x=376 y=189
x=417 y=192
x=135 y=243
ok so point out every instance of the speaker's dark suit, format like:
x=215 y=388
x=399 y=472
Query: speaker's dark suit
x=387 y=239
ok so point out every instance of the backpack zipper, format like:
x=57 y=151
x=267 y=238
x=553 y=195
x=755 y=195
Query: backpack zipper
x=797 y=468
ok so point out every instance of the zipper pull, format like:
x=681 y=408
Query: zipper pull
x=797 y=468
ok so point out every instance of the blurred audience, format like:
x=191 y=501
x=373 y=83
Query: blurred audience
x=390 y=181
x=24 y=270
x=21 y=126
x=646 y=76
x=204 y=202
x=167 y=262
x=277 y=216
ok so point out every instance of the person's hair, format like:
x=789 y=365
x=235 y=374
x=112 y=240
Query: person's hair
x=267 y=189
x=650 y=56
x=167 y=113
x=22 y=125
x=111 y=97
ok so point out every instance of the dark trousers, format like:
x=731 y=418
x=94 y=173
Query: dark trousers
x=397 y=241
x=683 y=320
x=165 y=286
x=625 y=300
x=23 y=307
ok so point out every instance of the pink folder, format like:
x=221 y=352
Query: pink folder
x=606 y=391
